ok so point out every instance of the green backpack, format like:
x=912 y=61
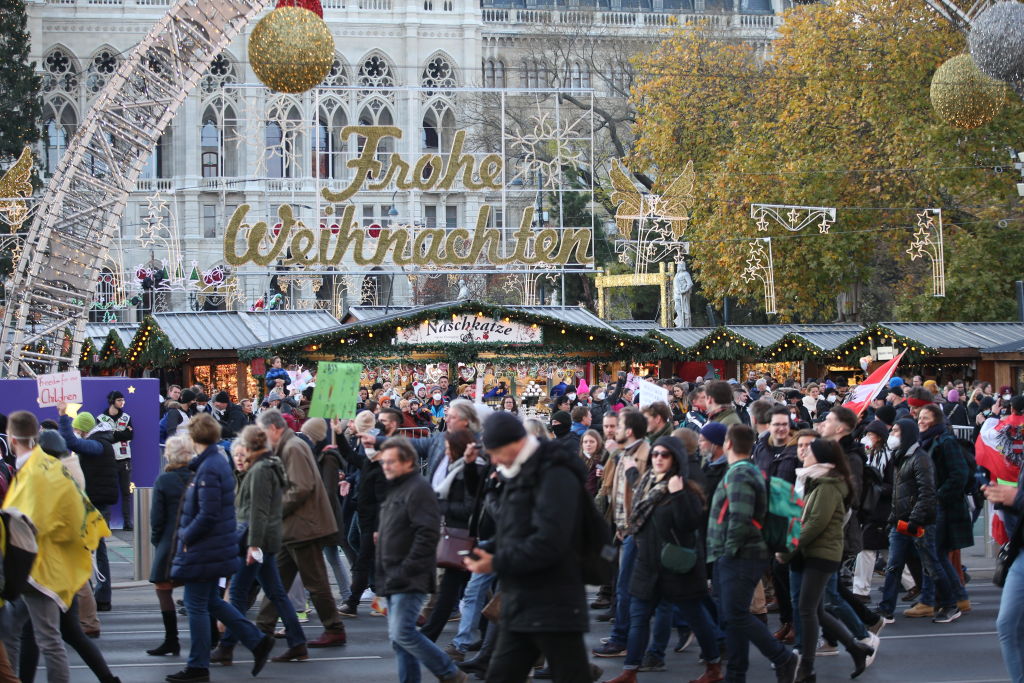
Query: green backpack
x=782 y=521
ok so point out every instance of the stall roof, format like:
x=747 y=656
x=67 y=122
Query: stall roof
x=685 y=336
x=957 y=335
x=98 y=332
x=219 y=330
x=827 y=337
x=1010 y=347
x=637 y=328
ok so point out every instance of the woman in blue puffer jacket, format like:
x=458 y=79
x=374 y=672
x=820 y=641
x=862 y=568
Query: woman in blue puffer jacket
x=206 y=549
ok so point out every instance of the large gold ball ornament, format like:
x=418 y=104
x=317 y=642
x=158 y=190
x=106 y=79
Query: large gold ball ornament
x=291 y=50
x=963 y=96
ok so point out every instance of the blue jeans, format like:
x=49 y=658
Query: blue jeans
x=945 y=566
x=736 y=579
x=666 y=617
x=473 y=600
x=899 y=548
x=412 y=647
x=202 y=599
x=627 y=558
x=1010 y=622
x=842 y=610
x=101 y=590
x=342 y=576
x=640 y=627
x=270 y=582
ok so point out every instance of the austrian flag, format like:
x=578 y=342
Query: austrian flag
x=1000 y=450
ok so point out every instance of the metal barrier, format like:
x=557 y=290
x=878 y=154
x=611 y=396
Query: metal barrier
x=140 y=540
x=964 y=432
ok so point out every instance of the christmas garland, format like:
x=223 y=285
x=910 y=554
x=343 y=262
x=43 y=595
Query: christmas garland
x=852 y=351
x=112 y=352
x=152 y=347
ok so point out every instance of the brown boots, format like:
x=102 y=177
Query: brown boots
x=627 y=676
x=712 y=674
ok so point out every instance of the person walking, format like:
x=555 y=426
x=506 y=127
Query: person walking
x=123 y=431
x=740 y=556
x=669 y=509
x=168 y=490
x=406 y=562
x=823 y=483
x=258 y=510
x=207 y=550
x=544 y=601
x=1010 y=619
x=308 y=523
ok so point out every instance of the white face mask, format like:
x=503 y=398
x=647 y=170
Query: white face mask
x=893 y=442
x=571 y=397
x=867 y=442
x=832 y=398
x=1007 y=397
x=600 y=396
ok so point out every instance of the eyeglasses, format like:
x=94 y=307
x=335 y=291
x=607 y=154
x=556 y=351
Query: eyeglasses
x=660 y=454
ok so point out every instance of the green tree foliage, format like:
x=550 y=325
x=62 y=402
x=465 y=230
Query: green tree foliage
x=19 y=85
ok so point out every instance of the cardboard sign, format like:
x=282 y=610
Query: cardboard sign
x=60 y=387
x=651 y=392
x=337 y=391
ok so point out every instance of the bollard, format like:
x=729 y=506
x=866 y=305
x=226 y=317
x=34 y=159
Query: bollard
x=140 y=537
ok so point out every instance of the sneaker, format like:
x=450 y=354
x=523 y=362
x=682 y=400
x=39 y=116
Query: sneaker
x=610 y=650
x=367 y=596
x=686 y=639
x=455 y=653
x=964 y=606
x=455 y=616
x=946 y=615
x=601 y=603
x=348 y=612
x=919 y=610
x=872 y=641
x=302 y=616
x=651 y=663
x=887 y=617
x=786 y=673
x=877 y=627
x=826 y=649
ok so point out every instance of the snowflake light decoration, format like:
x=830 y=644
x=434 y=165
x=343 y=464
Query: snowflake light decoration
x=760 y=266
x=928 y=242
x=552 y=145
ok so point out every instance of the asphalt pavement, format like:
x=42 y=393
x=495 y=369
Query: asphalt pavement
x=912 y=650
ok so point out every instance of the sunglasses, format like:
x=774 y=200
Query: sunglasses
x=660 y=454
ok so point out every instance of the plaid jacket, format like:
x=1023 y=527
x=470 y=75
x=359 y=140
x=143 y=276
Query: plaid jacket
x=738 y=510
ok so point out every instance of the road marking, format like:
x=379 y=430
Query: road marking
x=944 y=635
x=237 y=661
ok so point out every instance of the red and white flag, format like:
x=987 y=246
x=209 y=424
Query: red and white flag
x=1000 y=450
x=860 y=397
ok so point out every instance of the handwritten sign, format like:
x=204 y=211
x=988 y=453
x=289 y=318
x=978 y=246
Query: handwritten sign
x=59 y=387
x=469 y=329
x=337 y=390
x=651 y=393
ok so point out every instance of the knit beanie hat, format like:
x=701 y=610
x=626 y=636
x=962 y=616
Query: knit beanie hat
x=113 y=396
x=886 y=414
x=187 y=396
x=221 y=397
x=714 y=432
x=501 y=429
x=878 y=428
x=83 y=422
x=52 y=443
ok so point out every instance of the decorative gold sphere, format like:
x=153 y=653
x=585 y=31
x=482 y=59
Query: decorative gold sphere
x=291 y=50
x=963 y=96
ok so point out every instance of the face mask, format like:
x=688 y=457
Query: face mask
x=893 y=442
x=832 y=398
x=437 y=397
x=1007 y=397
x=600 y=396
x=867 y=442
x=571 y=397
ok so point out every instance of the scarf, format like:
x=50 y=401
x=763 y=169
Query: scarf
x=818 y=469
x=529 y=448
x=453 y=471
x=930 y=435
x=646 y=497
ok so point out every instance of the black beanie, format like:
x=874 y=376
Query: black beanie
x=502 y=428
x=886 y=414
x=113 y=396
x=221 y=397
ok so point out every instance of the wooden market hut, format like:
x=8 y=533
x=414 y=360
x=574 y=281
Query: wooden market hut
x=202 y=346
x=104 y=347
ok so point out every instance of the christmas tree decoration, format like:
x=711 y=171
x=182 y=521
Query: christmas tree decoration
x=312 y=5
x=997 y=41
x=963 y=96
x=291 y=50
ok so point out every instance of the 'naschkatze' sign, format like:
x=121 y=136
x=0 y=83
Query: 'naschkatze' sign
x=469 y=329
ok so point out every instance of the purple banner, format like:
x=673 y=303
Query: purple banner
x=141 y=401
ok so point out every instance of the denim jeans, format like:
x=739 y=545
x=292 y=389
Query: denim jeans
x=666 y=617
x=627 y=558
x=473 y=600
x=1010 y=622
x=202 y=599
x=412 y=647
x=102 y=587
x=945 y=566
x=342 y=575
x=841 y=609
x=736 y=579
x=273 y=590
x=640 y=628
x=899 y=547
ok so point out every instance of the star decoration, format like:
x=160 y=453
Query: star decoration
x=922 y=239
x=793 y=216
x=825 y=225
x=762 y=223
x=131 y=389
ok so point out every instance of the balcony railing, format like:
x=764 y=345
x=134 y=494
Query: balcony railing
x=620 y=19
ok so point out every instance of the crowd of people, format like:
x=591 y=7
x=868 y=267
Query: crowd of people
x=472 y=514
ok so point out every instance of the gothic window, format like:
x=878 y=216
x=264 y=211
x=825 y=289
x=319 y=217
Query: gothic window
x=438 y=74
x=60 y=121
x=217 y=140
x=221 y=72
x=338 y=75
x=531 y=74
x=494 y=73
x=579 y=76
x=210 y=140
x=60 y=73
x=328 y=156
x=375 y=72
x=102 y=67
x=156 y=163
x=438 y=127
x=377 y=113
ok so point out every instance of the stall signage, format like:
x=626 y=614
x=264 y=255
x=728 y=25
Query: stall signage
x=469 y=329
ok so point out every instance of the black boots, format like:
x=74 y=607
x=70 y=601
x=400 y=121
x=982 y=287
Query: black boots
x=860 y=653
x=478 y=664
x=170 y=646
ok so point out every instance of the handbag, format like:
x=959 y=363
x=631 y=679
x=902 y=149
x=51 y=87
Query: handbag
x=452 y=541
x=675 y=557
x=1004 y=560
x=492 y=610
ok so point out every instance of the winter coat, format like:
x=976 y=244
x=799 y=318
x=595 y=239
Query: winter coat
x=274 y=374
x=875 y=524
x=539 y=533
x=373 y=488
x=232 y=421
x=463 y=496
x=96 y=454
x=913 y=498
x=727 y=416
x=821 y=528
x=329 y=461
x=168 y=490
x=782 y=464
x=956 y=414
x=410 y=522
x=206 y=544
x=951 y=475
x=259 y=503
x=305 y=509
x=855 y=456
x=678 y=519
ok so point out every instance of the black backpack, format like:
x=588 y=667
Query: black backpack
x=967 y=451
x=19 y=552
x=597 y=554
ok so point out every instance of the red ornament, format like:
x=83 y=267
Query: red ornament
x=141 y=273
x=312 y=5
x=373 y=230
x=276 y=229
x=335 y=228
x=486 y=336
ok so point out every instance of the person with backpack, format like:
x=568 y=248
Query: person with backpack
x=824 y=484
x=668 y=516
x=738 y=550
x=544 y=600
x=953 y=529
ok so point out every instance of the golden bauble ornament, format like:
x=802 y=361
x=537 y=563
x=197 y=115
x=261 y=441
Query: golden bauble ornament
x=963 y=96
x=291 y=50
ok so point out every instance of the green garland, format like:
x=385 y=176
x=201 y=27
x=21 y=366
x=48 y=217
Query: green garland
x=719 y=344
x=793 y=347
x=112 y=352
x=851 y=352
x=152 y=347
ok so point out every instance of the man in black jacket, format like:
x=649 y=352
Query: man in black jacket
x=544 y=604
x=230 y=416
x=410 y=519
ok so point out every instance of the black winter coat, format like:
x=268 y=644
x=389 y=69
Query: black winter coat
x=913 y=497
x=853 y=539
x=329 y=462
x=538 y=540
x=168 y=490
x=678 y=519
x=96 y=455
x=410 y=528
x=373 y=488
x=206 y=546
x=232 y=421
x=782 y=465
x=463 y=496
